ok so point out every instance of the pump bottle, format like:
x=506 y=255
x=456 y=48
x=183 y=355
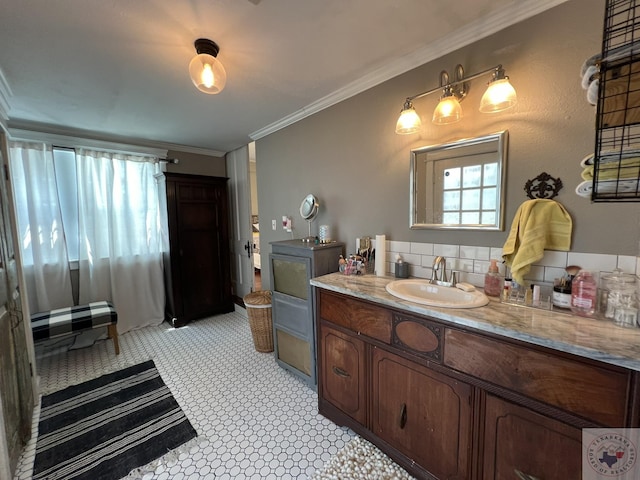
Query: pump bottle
x=493 y=282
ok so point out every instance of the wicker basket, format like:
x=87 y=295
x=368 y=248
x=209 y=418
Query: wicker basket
x=258 y=306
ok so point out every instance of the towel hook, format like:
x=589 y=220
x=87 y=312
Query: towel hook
x=543 y=186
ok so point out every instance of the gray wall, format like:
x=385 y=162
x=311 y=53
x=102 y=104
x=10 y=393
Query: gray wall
x=196 y=164
x=349 y=156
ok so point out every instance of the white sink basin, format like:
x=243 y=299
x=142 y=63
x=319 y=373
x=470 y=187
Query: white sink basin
x=421 y=291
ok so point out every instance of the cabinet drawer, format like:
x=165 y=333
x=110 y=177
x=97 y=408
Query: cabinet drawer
x=597 y=393
x=360 y=317
x=418 y=336
x=293 y=314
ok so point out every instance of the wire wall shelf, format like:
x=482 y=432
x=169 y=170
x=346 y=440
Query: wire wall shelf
x=616 y=161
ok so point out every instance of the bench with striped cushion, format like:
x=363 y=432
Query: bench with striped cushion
x=64 y=321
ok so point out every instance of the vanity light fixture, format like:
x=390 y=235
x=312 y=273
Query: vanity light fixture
x=449 y=109
x=408 y=121
x=499 y=96
x=205 y=70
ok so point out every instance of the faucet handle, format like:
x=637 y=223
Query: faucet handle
x=454 y=278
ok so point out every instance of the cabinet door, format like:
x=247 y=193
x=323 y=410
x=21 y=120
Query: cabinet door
x=519 y=443
x=202 y=274
x=424 y=414
x=343 y=372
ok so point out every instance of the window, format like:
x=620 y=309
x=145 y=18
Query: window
x=469 y=194
x=72 y=204
x=64 y=161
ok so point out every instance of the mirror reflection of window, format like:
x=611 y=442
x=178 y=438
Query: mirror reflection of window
x=459 y=185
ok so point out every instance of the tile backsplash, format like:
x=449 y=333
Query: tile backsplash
x=472 y=261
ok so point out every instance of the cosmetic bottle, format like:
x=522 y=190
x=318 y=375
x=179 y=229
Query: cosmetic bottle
x=493 y=282
x=584 y=289
x=506 y=289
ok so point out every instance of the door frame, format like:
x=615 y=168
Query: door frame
x=5 y=168
x=241 y=232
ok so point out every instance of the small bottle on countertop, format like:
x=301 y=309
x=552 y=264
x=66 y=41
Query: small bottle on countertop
x=493 y=282
x=584 y=289
x=506 y=289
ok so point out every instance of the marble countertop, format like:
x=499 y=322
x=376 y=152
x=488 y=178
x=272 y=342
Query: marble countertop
x=586 y=337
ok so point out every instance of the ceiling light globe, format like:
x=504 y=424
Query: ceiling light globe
x=408 y=122
x=499 y=96
x=207 y=73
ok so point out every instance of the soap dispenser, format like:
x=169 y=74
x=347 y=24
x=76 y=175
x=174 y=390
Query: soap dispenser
x=493 y=282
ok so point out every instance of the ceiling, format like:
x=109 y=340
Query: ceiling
x=118 y=70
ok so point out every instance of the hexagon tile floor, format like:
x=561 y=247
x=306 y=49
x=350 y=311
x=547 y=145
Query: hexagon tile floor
x=255 y=420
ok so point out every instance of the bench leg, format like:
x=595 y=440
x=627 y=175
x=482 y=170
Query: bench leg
x=113 y=335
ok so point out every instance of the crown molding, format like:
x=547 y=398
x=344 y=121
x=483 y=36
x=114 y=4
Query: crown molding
x=480 y=28
x=73 y=138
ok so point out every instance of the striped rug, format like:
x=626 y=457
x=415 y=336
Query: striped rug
x=106 y=427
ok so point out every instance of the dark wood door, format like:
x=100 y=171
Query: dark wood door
x=425 y=415
x=199 y=261
x=343 y=372
x=519 y=443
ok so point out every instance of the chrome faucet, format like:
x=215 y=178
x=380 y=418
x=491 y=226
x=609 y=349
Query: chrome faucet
x=438 y=263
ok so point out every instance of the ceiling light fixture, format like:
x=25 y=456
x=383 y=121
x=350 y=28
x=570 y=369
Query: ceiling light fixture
x=206 y=71
x=499 y=96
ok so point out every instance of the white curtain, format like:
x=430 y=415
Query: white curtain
x=41 y=234
x=120 y=226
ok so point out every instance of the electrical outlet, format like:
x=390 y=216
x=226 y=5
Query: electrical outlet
x=274 y=225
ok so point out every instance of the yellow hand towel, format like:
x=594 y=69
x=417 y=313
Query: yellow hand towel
x=538 y=225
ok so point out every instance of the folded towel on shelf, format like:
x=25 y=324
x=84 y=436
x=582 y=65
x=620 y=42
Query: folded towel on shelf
x=592 y=92
x=611 y=156
x=538 y=225
x=585 y=188
x=609 y=187
x=589 y=76
x=627 y=168
x=590 y=62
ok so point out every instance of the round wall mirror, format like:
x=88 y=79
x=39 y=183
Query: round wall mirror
x=309 y=207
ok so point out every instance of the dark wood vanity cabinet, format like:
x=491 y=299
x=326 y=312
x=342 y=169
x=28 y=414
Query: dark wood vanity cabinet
x=343 y=372
x=520 y=443
x=197 y=266
x=422 y=413
x=445 y=402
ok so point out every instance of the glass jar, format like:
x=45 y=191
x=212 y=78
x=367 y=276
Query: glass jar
x=324 y=234
x=616 y=287
x=584 y=290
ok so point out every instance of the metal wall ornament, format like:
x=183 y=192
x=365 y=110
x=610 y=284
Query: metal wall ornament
x=543 y=186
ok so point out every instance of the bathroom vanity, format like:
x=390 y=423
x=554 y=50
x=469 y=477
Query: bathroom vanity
x=499 y=391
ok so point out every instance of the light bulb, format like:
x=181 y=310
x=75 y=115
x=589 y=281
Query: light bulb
x=207 y=76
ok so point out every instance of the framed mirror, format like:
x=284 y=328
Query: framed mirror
x=459 y=185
